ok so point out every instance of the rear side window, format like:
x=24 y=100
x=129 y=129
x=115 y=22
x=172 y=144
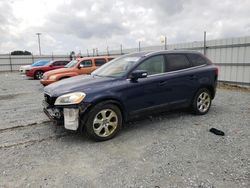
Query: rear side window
x=196 y=60
x=60 y=63
x=86 y=63
x=153 y=65
x=64 y=62
x=177 y=62
x=57 y=63
x=100 y=62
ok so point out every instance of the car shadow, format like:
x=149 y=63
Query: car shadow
x=143 y=122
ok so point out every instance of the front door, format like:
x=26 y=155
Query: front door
x=147 y=94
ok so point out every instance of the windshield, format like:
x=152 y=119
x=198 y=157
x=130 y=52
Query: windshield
x=40 y=63
x=117 y=67
x=71 y=64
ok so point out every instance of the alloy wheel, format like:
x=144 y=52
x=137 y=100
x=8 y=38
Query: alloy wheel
x=105 y=122
x=203 y=102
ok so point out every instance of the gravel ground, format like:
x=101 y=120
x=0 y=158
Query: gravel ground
x=174 y=149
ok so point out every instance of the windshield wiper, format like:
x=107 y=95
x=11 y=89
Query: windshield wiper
x=103 y=76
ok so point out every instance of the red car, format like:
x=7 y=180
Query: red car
x=37 y=72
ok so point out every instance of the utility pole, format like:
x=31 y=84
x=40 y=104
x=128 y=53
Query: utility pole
x=39 y=44
x=205 y=42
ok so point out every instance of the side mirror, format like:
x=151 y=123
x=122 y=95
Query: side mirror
x=135 y=75
x=51 y=65
x=80 y=66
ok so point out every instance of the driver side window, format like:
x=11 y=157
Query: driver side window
x=153 y=65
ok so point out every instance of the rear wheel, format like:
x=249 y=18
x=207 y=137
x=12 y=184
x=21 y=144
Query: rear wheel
x=39 y=75
x=104 y=121
x=202 y=102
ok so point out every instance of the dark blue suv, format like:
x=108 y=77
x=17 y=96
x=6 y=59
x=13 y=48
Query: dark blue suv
x=130 y=86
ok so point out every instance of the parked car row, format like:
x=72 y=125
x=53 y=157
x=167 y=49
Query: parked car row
x=51 y=71
x=74 y=68
x=129 y=86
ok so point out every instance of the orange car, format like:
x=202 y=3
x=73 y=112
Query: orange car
x=76 y=67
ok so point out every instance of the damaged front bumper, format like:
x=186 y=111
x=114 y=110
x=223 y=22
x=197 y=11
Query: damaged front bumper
x=68 y=115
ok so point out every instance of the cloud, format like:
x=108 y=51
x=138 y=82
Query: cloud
x=85 y=24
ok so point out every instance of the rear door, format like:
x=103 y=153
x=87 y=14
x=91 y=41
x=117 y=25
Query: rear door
x=100 y=62
x=57 y=64
x=181 y=79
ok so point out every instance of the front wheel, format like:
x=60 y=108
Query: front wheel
x=39 y=75
x=104 y=122
x=202 y=102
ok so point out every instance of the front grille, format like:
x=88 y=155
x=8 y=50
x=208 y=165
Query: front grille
x=50 y=100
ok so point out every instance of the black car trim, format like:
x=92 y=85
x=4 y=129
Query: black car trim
x=171 y=72
x=158 y=107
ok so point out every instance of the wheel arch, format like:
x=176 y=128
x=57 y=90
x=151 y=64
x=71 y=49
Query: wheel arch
x=38 y=71
x=112 y=100
x=210 y=88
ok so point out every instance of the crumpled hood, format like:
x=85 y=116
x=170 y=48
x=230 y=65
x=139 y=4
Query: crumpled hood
x=82 y=83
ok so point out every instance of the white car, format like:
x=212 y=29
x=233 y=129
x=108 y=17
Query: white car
x=23 y=68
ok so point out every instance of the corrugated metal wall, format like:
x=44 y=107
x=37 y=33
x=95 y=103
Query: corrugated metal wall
x=232 y=55
x=8 y=63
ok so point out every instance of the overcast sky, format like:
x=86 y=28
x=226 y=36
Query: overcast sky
x=78 y=25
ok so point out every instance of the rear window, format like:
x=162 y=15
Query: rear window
x=64 y=62
x=196 y=59
x=177 y=62
x=100 y=62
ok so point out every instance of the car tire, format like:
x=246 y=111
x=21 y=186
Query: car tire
x=202 y=101
x=39 y=75
x=104 y=121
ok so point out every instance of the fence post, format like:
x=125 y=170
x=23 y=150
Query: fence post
x=139 y=46
x=107 y=50
x=121 y=49
x=165 y=43
x=32 y=57
x=96 y=51
x=205 y=41
x=10 y=62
